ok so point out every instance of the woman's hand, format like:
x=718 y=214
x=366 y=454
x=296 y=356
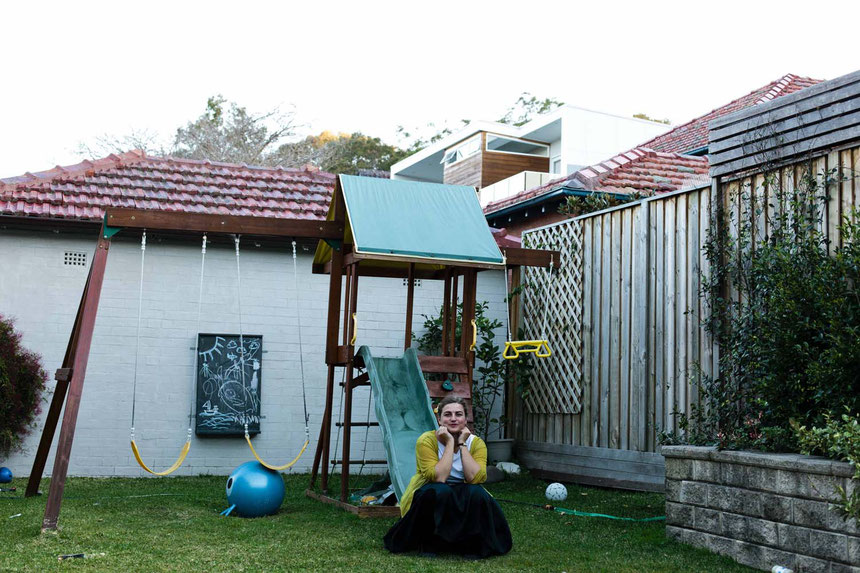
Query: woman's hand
x=444 y=436
x=464 y=435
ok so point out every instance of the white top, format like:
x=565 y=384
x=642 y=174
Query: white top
x=457 y=466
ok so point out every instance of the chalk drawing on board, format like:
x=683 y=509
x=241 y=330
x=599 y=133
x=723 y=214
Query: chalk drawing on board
x=228 y=383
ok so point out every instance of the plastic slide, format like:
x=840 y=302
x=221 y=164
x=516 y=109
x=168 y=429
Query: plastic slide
x=403 y=409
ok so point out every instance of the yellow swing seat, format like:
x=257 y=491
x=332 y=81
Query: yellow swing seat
x=169 y=470
x=271 y=467
x=513 y=349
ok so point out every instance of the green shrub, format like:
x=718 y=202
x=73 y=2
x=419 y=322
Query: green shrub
x=789 y=334
x=838 y=439
x=22 y=381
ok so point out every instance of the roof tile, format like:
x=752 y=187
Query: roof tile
x=133 y=179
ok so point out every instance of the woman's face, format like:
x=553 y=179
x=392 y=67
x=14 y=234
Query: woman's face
x=453 y=417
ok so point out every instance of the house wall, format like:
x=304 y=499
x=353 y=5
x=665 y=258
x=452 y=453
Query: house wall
x=42 y=294
x=465 y=172
x=589 y=137
x=498 y=166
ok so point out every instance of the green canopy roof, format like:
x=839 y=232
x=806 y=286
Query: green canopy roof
x=412 y=220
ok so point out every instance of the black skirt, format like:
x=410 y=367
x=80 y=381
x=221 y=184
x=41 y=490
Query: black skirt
x=456 y=518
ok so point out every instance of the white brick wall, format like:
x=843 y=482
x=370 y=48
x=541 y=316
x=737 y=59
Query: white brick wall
x=42 y=294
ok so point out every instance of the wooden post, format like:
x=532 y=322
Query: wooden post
x=321 y=456
x=446 y=312
x=57 y=400
x=352 y=303
x=470 y=284
x=410 y=300
x=514 y=306
x=453 y=329
x=81 y=354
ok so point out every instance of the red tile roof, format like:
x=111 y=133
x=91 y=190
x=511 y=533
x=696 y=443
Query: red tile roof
x=646 y=172
x=658 y=166
x=694 y=134
x=639 y=170
x=136 y=180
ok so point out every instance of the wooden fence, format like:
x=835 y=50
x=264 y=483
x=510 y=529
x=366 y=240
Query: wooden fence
x=639 y=303
x=642 y=340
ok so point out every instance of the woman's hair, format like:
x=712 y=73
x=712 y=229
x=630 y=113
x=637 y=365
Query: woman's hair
x=449 y=400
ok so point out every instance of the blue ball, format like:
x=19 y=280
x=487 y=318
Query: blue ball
x=5 y=475
x=255 y=490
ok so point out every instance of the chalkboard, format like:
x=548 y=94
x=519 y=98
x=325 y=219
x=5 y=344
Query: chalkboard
x=227 y=399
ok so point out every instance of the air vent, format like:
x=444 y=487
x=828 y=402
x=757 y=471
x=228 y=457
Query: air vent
x=75 y=259
x=416 y=282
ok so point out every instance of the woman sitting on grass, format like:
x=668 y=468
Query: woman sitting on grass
x=444 y=509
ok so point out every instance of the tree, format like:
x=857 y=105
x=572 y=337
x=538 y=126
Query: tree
x=231 y=134
x=144 y=139
x=527 y=107
x=22 y=381
x=645 y=116
x=340 y=153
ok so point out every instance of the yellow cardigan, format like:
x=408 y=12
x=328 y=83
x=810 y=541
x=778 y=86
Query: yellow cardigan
x=426 y=458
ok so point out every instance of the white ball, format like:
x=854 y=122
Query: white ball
x=556 y=492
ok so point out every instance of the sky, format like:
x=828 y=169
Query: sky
x=75 y=71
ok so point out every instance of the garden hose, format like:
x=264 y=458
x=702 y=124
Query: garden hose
x=565 y=511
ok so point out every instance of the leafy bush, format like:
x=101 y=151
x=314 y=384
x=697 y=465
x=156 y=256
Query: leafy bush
x=789 y=335
x=838 y=440
x=22 y=381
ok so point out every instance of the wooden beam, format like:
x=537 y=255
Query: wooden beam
x=57 y=400
x=443 y=364
x=364 y=511
x=203 y=223
x=76 y=386
x=515 y=256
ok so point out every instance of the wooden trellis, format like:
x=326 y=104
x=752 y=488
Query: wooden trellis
x=556 y=386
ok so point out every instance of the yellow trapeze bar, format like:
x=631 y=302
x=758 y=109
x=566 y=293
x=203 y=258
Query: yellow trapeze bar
x=169 y=470
x=276 y=468
x=539 y=348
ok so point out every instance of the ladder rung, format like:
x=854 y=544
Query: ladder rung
x=362 y=424
x=360 y=462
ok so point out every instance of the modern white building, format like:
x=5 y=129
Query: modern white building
x=552 y=145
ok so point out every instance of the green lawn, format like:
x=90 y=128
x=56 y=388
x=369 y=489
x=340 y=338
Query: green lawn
x=172 y=524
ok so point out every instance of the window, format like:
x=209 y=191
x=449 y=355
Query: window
x=466 y=149
x=502 y=144
x=556 y=165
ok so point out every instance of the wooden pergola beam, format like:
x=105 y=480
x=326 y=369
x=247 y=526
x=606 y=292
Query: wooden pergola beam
x=230 y=224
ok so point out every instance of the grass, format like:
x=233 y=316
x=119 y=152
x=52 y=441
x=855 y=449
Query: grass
x=172 y=524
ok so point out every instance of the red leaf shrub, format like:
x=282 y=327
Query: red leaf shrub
x=22 y=381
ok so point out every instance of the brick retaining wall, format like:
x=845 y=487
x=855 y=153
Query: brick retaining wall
x=761 y=509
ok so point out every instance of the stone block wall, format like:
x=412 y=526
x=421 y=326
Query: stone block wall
x=761 y=509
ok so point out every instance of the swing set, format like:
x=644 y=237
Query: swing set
x=70 y=377
x=345 y=254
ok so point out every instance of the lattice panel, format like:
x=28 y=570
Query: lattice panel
x=556 y=386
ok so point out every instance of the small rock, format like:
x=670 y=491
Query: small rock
x=509 y=468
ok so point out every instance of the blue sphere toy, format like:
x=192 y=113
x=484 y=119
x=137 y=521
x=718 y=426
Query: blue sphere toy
x=5 y=475
x=254 y=490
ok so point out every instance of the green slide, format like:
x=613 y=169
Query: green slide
x=403 y=409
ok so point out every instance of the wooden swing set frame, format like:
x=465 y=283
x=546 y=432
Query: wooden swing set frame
x=71 y=375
